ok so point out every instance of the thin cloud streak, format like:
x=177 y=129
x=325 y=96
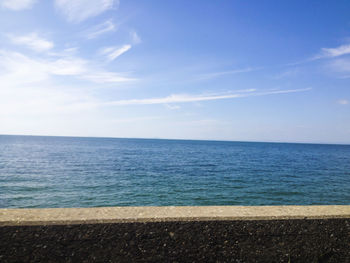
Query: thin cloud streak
x=105 y=27
x=107 y=77
x=222 y=73
x=112 y=53
x=32 y=41
x=185 y=98
x=325 y=53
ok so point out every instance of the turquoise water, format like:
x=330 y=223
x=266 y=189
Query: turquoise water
x=85 y=172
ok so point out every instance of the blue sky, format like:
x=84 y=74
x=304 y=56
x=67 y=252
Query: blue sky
x=222 y=70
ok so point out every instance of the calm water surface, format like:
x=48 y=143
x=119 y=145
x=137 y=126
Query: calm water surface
x=85 y=172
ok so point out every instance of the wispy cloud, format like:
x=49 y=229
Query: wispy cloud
x=79 y=10
x=286 y=74
x=334 y=52
x=19 y=69
x=341 y=65
x=67 y=52
x=28 y=87
x=107 y=77
x=212 y=75
x=40 y=87
x=135 y=38
x=139 y=119
x=325 y=53
x=17 y=4
x=343 y=102
x=185 y=98
x=32 y=41
x=105 y=27
x=112 y=53
x=172 y=107
x=70 y=66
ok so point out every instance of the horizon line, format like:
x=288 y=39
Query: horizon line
x=178 y=139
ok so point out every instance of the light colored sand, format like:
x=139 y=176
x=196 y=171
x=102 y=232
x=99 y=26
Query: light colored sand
x=54 y=216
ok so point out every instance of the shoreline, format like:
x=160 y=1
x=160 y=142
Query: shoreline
x=59 y=216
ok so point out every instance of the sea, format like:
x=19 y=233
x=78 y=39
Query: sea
x=39 y=171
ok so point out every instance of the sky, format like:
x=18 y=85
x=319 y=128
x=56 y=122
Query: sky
x=214 y=70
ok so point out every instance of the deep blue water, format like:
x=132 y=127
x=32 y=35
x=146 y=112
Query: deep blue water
x=85 y=172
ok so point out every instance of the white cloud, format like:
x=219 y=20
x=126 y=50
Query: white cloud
x=212 y=75
x=343 y=102
x=112 y=53
x=105 y=27
x=19 y=69
x=79 y=10
x=28 y=88
x=185 y=98
x=32 y=41
x=106 y=77
x=332 y=52
x=326 y=53
x=17 y=4
x=39 y=100
x=335 y=52
x=31 y=87
x=68 y=66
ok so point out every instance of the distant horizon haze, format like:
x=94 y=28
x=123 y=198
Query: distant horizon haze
x=176 y=139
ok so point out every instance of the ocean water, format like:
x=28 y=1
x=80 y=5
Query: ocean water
x=90 y=172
